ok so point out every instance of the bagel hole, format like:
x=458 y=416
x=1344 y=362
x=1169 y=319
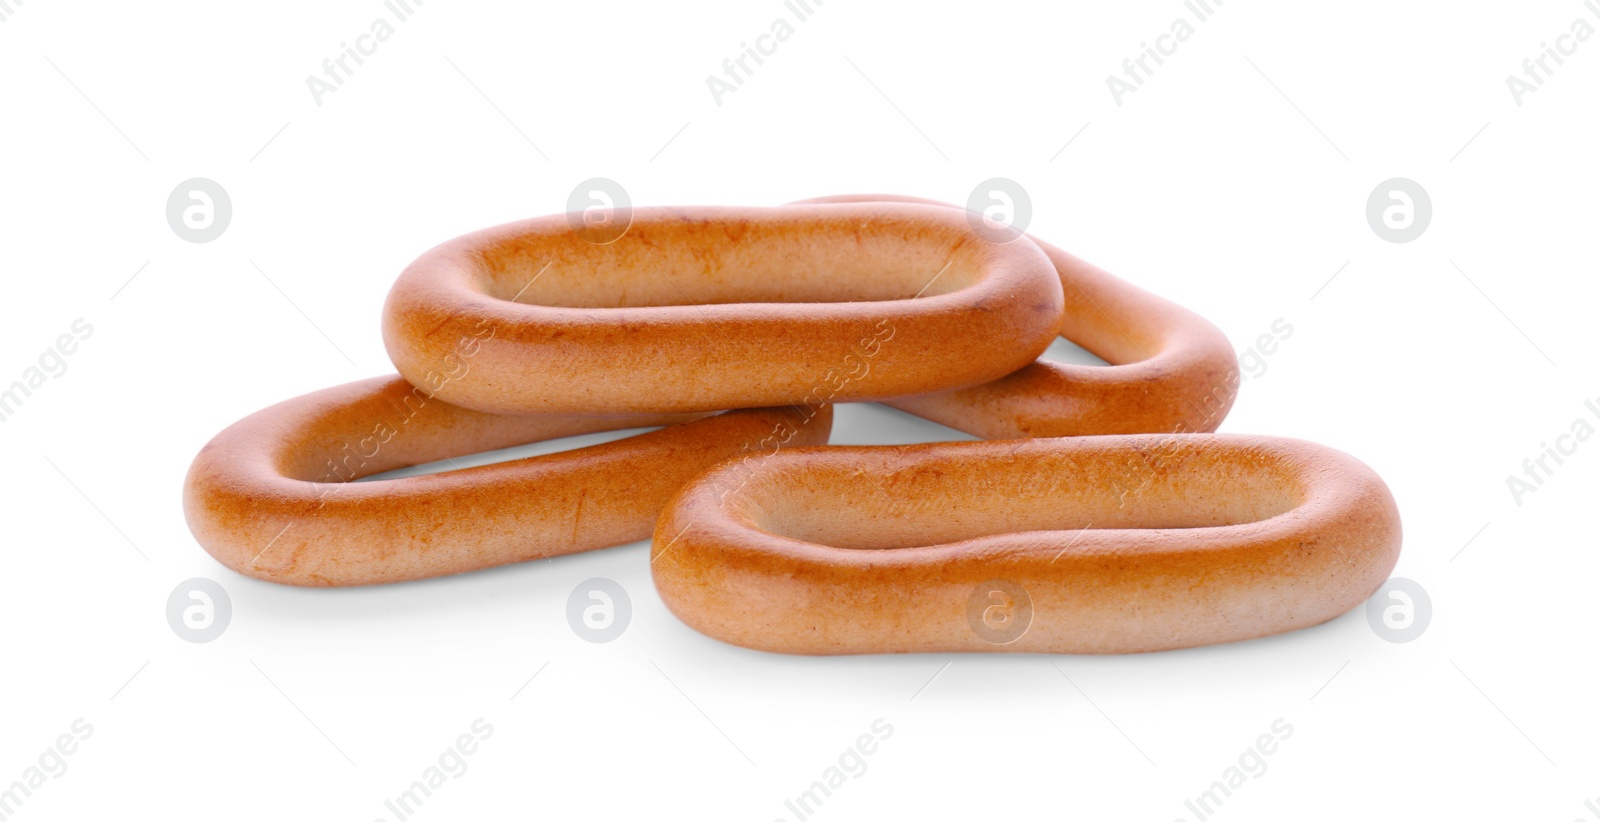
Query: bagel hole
x=515 y=452
x=1063 y=350
x=774 y=260
x=392 y=430
x=849 y=506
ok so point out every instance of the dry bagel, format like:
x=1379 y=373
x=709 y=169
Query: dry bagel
x=272 y=496
x=1171 y=370
x=1107 y=544
x=706 y=308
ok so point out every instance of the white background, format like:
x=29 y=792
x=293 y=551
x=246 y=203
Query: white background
x=1234 y=182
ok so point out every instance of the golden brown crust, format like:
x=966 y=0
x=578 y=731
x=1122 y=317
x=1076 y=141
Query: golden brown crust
x=704 y=308
x=1120 y=543
x=1171 y=370
x=272 y=496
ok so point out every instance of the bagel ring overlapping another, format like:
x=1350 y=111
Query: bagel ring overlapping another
x=1171 y=370
x=1099 y=544
x=1158 y=538
x=706 y=308
x=276 y=496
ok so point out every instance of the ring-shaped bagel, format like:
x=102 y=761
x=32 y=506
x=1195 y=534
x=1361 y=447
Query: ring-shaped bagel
x=1107 y=544
x=1171 y=370
x=273 y=495
x=706 y=308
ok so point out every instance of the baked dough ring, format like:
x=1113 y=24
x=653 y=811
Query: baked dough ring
x=706 y=308
x=270 y=496
x=1116 y=544
x=1171 y=370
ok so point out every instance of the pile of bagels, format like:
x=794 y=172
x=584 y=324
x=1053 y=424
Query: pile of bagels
x=1097 y=514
